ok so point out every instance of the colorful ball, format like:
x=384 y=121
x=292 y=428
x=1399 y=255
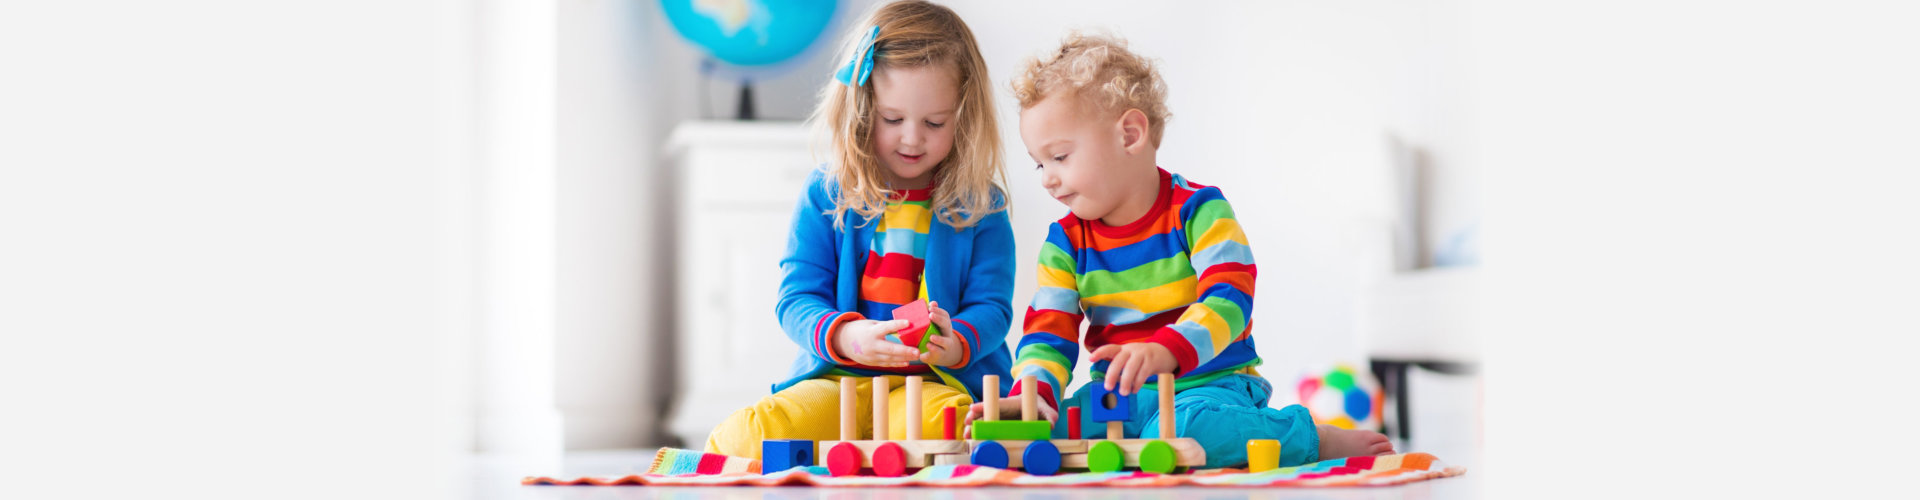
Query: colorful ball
x=1342 y=396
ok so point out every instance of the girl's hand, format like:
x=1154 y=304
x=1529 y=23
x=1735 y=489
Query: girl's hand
x=865 y=342
x=943 y=349
x=1007 y=412
x=1133 y=363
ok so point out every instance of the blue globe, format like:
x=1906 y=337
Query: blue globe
x=754 y=36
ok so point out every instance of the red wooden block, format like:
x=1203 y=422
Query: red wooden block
x=843 y=460
x=946 y=423
x=917 y=317
x=889 y=460
x=1073 y=422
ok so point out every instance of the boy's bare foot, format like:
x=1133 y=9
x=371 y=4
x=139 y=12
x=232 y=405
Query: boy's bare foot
x=1336 y=442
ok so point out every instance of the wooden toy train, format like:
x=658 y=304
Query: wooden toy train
x=1025 y=444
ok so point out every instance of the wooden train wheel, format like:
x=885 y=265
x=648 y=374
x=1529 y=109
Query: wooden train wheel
x=990 y=454
x=1105 y=456
x=889 y=460
x=1041 y=458
x=843 y=460
x=1157 y=457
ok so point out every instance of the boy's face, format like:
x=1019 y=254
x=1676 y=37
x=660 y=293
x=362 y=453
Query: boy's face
x=913 y=121
x=1078 y=151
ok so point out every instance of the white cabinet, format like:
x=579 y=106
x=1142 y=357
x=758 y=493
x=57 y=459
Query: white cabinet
x=737 y=183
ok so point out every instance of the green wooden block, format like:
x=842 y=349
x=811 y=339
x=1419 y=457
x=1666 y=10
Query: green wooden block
x=1012 y=430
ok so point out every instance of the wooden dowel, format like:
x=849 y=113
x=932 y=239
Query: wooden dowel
x=1029 y=398
x=880 y=391
x=1167 y=418
x=912 y=421
x=990 y=385
x=849 y=403
x=1116 y=430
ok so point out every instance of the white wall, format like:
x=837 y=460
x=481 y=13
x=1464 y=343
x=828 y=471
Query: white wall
x=231 y=248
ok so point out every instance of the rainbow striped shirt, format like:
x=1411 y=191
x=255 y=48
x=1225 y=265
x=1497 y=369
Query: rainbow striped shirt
x=1181 y=276
x=891 y=276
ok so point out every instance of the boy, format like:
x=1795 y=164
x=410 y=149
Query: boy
x=1157 y=264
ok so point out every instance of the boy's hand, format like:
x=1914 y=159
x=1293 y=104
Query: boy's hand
x=943 y=349
x=1133 y=363
x=1007 y=412
x=865 y=342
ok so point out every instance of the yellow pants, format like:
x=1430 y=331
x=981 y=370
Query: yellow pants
x=811 y=410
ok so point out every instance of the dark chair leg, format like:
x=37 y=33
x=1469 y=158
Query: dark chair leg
x=1393 y=376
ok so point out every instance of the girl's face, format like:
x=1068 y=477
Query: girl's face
x=1077 y=152
x=913 y=121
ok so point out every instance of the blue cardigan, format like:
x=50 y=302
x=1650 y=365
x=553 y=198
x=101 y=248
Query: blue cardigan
x=820 y=280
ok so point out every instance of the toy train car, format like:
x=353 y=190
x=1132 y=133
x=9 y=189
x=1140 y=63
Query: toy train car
x=1022 y=445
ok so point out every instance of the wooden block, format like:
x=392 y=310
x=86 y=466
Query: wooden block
x=849 y=403
x=1022 y=430
x=880 y=391
x=781 y=454
x=990 y=385
x=1107 y=406
x=1116 y=430
x=919 y=453
x=913 y=422
x=918 y=319
x=1186 y=453
x=1167 y=417
x=1073 y=422
x=947 y=426
x=1263 y=455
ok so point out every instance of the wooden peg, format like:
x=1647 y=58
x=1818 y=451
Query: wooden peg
x=1029 y=398
x=880 y=391
x=1116 y=430
x=990 y=385
x=849 y=403
x=912 y=421
x=1167 y=417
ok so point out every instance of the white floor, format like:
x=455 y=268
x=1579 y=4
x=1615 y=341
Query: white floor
x=1445 y=424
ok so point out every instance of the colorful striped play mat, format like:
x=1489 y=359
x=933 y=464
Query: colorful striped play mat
x=1355 y=471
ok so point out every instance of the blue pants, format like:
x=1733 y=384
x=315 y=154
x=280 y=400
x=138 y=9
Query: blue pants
x=1222 y=415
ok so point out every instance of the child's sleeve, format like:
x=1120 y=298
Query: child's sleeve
x=809 y=273
x=1050 y=340
x=987 y=303
x=1223 y=264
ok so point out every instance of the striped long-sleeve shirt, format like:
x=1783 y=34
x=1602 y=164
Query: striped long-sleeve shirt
x=1181 y=276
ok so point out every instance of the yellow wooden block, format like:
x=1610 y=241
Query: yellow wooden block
x=1263 y=455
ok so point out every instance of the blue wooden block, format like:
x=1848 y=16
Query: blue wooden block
x=1097 y=410
x=781 y=454
x=990 y=454
x=1041 y=458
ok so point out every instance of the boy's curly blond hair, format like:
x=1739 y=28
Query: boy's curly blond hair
x=1100 y=70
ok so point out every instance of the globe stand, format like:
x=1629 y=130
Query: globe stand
x=745 y=109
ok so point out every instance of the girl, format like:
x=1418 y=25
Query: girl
x=910 y=207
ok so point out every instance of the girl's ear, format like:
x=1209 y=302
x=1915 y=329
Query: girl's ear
x=1133 y=131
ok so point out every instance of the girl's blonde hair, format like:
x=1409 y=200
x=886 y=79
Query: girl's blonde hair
x=1098 y=69
x=912 y=34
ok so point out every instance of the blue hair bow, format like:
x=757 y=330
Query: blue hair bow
x=861 y=65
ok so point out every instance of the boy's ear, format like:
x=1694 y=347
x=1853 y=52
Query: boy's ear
x=1133 y=131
